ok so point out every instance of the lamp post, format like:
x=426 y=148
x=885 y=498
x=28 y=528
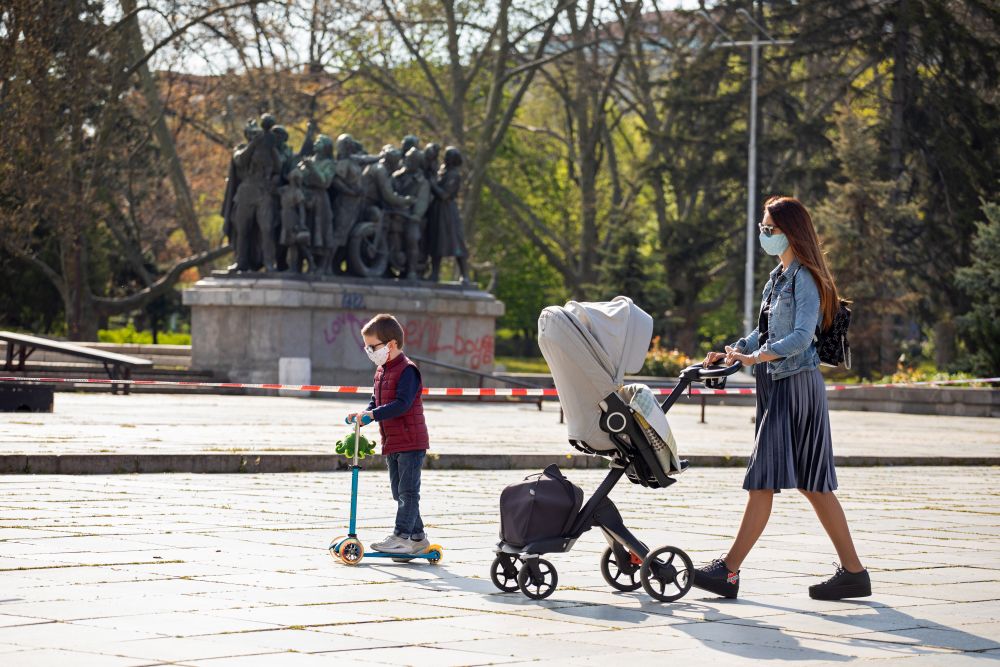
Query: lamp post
x=755 y=45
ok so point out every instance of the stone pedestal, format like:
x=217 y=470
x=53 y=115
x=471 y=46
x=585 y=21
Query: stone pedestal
x=242 y=326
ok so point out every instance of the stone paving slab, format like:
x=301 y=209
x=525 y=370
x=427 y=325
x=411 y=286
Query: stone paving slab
x=233 y=570
x=171 y=424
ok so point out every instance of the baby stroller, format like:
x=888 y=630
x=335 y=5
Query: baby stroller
x=589 y=347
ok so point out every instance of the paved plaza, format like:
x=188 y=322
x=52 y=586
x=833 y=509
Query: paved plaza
x=211 y=424
x=221 y=570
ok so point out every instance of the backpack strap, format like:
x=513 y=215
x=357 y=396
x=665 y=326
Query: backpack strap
x=818 y=324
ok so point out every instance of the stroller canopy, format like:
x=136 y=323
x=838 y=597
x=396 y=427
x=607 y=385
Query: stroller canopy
x=589 y=348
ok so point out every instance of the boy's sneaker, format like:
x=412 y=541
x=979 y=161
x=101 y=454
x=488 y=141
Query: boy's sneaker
x=843 y=584
x=716 y=578
x=418 y=546
x=415 y=547
x=392 y=544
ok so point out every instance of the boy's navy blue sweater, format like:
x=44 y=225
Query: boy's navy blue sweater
x=406 y=392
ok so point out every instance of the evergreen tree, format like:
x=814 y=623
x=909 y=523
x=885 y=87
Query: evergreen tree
x=856 y=222
x=980 y=327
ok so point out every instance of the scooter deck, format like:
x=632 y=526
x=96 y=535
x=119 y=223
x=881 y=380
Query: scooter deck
x=434 y=553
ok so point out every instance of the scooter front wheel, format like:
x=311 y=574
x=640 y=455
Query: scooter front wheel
x=351 y=551
x=335 y=546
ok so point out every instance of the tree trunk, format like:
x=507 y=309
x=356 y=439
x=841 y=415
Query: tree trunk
x=186 y=215
x=81 y=316
x=944 y=342
x=900 y=78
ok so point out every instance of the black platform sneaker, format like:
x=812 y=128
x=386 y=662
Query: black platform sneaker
x=842 y=584
x=716 y=578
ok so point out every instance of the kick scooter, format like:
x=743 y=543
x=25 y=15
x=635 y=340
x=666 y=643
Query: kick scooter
x=348 y=548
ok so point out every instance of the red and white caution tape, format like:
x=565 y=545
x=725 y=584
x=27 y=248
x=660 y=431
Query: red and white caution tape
x=449 y=391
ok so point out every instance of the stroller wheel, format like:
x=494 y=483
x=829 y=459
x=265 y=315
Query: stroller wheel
x=503 y=573
x=537 y=585
x=667 y=574
x=623 y=576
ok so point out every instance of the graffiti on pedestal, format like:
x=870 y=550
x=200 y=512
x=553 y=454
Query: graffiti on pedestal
x=424 y=336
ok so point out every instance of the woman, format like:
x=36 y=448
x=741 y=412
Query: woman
x=792 y=448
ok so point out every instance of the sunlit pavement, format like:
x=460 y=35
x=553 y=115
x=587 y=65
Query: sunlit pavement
x=233 y=569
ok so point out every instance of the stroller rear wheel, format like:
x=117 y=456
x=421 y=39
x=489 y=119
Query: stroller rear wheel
x=537 y=579
x=623 y=576
x=667 y=574
x=504 y=573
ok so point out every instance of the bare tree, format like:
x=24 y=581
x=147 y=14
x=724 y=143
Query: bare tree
x=72 y=147
x=457 y=69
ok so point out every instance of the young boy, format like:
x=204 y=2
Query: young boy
x=396 y=406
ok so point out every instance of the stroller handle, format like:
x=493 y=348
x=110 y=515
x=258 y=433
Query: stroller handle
x=699 y=371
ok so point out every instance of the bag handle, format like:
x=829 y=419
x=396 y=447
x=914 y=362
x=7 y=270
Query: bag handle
x=553 y=471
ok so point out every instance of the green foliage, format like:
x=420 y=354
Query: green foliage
x=523 y=364
x=856 y=222
x=128 y=334
x=664 y=362
x=526 y=284
x=980 y=327
x=922 y=373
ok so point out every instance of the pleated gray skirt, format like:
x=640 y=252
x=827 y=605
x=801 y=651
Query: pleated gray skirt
x=792 y=448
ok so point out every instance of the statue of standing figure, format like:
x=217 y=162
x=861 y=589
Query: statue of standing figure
x=295 y=236
x=411 y=182
x=317 y=175
x=445 y=235
x=346 y=189
x=256 y=168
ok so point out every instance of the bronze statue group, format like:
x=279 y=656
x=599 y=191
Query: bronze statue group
x=331 y=208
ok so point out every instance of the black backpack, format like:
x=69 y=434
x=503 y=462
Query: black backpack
x=831 y=343
x=543 y=505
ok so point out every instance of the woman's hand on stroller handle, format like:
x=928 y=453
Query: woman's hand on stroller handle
x=709 y=369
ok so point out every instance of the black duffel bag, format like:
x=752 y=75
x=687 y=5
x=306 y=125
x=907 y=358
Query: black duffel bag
x=543 y=505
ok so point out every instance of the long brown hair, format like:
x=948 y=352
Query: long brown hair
x=791 y=217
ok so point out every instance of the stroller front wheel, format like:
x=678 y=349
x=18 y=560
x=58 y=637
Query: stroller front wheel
x=504 y=573
x=622 y=576
x=537 y=579
x=663 y=577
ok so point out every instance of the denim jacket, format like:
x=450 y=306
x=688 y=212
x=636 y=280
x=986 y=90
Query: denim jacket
x=791 y=325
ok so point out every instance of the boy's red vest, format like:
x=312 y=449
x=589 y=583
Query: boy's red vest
x=407 y=432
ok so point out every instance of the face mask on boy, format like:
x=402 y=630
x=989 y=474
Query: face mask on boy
x=379 y=356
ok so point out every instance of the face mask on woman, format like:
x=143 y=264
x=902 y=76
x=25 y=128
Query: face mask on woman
x=775 y=244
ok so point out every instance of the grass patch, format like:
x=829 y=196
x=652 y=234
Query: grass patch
x=522 y=364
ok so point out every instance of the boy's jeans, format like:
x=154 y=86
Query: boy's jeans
x=404 y=478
